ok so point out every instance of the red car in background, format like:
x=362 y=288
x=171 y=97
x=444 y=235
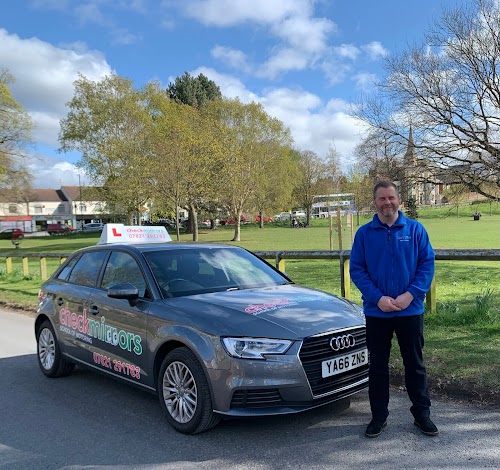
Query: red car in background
x=266 y=219
x=12 y=234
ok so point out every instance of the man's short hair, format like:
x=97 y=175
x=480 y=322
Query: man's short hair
x=384 y=184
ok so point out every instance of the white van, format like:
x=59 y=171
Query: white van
x=301 y=214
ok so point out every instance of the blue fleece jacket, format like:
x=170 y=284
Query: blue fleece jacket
x=390 y=261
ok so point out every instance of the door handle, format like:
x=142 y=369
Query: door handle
x=60 y=301
x=94 y=310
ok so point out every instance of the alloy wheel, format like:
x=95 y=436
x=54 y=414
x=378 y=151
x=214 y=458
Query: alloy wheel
x=180 y=392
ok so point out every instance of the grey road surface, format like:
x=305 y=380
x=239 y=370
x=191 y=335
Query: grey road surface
x=86 y=421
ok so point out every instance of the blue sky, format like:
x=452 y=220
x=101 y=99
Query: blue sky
x=305 y=61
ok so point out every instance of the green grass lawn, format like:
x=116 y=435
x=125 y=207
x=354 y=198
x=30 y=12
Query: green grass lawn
x=462 y=338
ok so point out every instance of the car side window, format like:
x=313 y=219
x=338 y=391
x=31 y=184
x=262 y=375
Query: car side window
x=87 y=268
x=122 y=267
x=63 y=275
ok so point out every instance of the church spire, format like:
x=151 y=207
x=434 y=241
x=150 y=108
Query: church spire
x=410 y=157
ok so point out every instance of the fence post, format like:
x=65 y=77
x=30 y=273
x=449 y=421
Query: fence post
x=8 y=264
x=345 y=278
x=26 y=268
x=430 y=297
x=43 y=267
x=280 y=263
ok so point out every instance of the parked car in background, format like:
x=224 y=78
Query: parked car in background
x=282 y=216
x=299 y=213
x=59 y=229
x=12 y=234
x=93 y=227
x=265 y=219
x=231 y=221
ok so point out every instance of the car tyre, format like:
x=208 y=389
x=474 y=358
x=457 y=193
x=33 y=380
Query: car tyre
x=49 y=356
x=184 y=393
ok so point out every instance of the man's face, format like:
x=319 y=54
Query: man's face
x=387 y=203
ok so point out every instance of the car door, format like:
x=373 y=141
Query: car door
x=119 y=326
x=74 y=285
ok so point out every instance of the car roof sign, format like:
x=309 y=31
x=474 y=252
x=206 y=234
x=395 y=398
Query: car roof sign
x=119 y=233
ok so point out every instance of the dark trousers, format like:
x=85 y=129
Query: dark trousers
x=410 y=334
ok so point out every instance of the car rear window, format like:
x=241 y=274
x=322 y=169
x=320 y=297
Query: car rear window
x=87 y=268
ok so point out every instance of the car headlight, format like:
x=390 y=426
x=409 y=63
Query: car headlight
x=255 y=348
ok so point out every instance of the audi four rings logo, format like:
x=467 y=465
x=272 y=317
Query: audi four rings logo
x=342 y=342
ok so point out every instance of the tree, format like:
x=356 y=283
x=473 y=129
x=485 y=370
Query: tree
x=252 y=143
x=311 y=181
x=193 y=91
x=15 y=134
x=360 y=184
x=109 y=125
x=448 y=89
x=278 y=176
x=381 y=155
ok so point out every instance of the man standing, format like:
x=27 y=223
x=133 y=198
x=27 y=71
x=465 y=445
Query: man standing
x=392 y=264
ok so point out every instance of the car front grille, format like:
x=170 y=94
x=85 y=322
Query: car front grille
x=316 y=349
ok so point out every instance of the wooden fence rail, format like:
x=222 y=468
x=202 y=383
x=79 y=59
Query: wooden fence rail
x=344 y=255
x=279 y=258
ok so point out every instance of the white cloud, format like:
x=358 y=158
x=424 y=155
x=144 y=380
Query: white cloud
x=232 y=57
x=365 y=81
x=44 y=78
x=375 y=50
x=52 y=173
x=230 y=86
x=225 y=13
x=301 y=38
x=347 y=51
x=314 y=125
x=283 y=60
x=307 y=34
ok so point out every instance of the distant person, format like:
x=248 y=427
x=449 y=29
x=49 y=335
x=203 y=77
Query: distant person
x=392 y=264
x=295 y=224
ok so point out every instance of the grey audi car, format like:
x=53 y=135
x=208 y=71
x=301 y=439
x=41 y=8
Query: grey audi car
x=213 y=330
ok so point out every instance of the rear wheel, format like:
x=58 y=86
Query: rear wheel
x=50 y=359
x=184 y=393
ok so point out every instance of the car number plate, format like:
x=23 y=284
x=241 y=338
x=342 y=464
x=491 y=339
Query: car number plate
x=340 y=364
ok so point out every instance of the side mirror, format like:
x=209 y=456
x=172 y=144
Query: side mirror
x=124 y=290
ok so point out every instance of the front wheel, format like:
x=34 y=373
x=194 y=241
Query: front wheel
x=184 y=393
x=50 y=359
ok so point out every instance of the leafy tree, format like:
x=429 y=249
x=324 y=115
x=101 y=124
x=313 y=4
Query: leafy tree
x=411 y=207
x=448 y=89
x=251 y=144
x=193 y=91
x=185 y=156
x=360 y=184
x=311 y=181
x=15 y=134
x=277 y=179
x=108 y=124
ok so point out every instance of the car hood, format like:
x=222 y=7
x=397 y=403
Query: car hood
x=288 y=311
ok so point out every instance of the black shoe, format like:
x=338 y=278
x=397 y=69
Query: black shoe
x=375 y=427
x=427 y=426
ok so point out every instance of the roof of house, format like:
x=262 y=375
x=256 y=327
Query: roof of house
x=35 y=195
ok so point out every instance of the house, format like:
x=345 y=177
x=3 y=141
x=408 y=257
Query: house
x=33 y=209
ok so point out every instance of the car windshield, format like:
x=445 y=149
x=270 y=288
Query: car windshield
x=195 y=271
